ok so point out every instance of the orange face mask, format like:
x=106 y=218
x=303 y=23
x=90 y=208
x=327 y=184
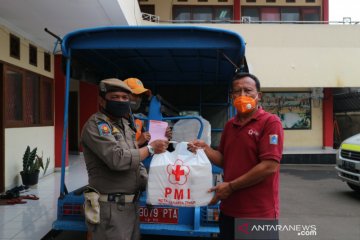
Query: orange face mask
x=244 y=104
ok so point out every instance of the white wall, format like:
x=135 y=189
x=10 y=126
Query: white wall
x=131 y=11
x=302 y=55
x=16 y=141
x=23 y=62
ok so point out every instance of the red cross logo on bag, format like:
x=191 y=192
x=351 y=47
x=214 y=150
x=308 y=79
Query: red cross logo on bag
x=178 y=172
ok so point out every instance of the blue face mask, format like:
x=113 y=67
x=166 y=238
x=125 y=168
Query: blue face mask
x=117 y=109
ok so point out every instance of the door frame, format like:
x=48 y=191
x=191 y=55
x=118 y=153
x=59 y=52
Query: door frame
x=73 y=128
x=2 y=131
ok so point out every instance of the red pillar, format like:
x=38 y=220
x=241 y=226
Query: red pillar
x=325 y=8
x=237 y=10
x=88 y=102
x=59 y=111
x=328 y=119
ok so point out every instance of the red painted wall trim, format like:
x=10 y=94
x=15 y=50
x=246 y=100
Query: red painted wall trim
x=88 y=95
x=328 y=119
x=325 y=7
x=59 y=110
x=237 y=10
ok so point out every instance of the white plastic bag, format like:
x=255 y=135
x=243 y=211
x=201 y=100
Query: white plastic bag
x=180 y=178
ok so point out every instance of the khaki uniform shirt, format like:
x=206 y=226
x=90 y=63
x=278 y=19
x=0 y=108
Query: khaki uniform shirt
x=112 y=156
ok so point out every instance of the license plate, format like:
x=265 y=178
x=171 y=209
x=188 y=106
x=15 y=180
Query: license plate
x=159 y=215
x=348 y=165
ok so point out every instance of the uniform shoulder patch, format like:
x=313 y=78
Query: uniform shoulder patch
x=104 y=129
x=273 y=139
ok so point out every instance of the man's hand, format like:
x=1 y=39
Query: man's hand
x=222 y=191
x=144 y=137
x=159 y=146
x=168 y=133
x=196 y=144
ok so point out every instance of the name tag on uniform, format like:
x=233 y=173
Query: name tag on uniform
x=274 y=139
x=104 y=129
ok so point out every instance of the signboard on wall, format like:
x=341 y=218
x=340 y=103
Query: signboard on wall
x=293 y=108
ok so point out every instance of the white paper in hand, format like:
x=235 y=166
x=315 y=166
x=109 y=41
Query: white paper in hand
x=157 y=130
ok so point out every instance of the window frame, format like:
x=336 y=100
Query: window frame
x=145 y=7
x=42 y=104
x=47 y=61
x=300 y=8
x=8 y=123
x=12 y=38
x=191 y=7
x=11 y=122
x=33 y=50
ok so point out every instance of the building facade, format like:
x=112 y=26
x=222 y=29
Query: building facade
x=265 y=11
x=27 y=85
x=300 y=66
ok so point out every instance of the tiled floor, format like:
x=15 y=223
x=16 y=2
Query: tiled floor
x=34 y=219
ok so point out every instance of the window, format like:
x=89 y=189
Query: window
x=47 y=101
x=290 y=14
x=182 y=13
x=270 y=1
x=287 y=14
x=14 y=46
x=13 y=96
x=33 y=55
x=202 y=13
x=270 y=14
x=28 y=98
x=253 y=13
x=47 y=62
x=223 y=13
x=310 y=1
x=32 y=100
x=310 y=14
x=150 y=9
x=290 y=1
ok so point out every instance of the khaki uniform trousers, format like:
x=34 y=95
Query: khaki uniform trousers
x=117 y=221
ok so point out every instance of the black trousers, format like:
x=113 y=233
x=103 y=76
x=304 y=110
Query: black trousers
x=227 y=227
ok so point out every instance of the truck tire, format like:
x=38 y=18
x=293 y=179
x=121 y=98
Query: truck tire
x=354 y=187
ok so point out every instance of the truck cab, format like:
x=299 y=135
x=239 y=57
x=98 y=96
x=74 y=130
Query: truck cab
x=187 y=69
x=348 y=162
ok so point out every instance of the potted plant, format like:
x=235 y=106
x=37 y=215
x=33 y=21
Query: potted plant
x=31 y=167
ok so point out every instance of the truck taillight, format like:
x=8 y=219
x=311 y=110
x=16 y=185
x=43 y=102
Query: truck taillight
x=72 y=209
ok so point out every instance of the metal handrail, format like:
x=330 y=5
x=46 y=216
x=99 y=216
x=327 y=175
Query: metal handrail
x=261 y=22
x=150 y=17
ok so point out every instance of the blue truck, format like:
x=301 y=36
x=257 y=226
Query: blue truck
x=190 y=68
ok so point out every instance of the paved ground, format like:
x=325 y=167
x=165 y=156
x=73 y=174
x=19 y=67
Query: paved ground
x=310 y=196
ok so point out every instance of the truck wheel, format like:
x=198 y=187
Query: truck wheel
x=354 y=187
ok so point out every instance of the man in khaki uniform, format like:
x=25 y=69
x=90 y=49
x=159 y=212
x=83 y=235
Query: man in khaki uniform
x=113 y=161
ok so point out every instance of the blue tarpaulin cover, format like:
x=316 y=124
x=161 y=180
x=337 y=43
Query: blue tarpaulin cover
x=158 y=54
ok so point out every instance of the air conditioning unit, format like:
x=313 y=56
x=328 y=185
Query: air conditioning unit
x=246 y=19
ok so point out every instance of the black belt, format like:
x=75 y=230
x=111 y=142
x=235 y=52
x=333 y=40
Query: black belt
x=121 y=198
